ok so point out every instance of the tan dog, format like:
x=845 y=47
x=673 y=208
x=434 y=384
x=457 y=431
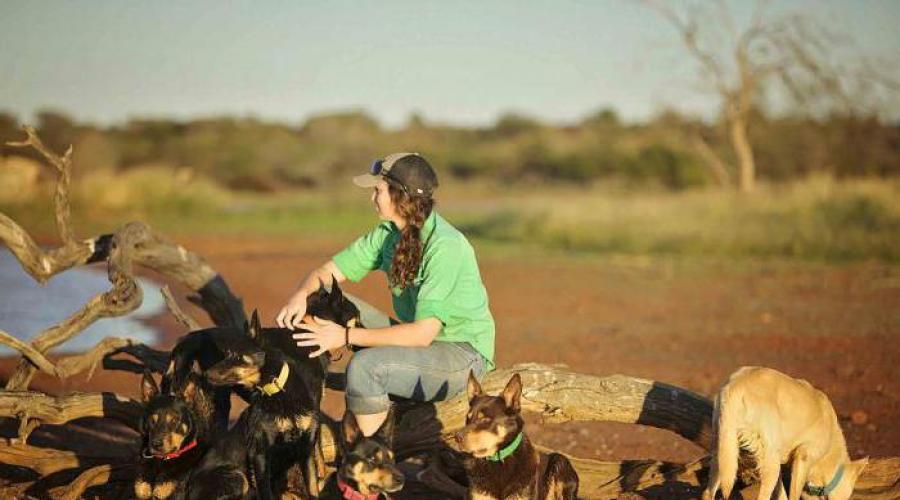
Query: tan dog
x=780 y=419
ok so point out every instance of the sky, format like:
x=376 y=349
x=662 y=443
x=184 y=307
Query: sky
x=454 y=62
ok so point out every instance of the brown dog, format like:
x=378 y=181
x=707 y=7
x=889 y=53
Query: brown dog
x=504 y=464
x=780 y=419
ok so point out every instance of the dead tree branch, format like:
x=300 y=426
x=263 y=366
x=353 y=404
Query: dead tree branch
x=182 y=317
x=63 y=166
x=33 y=409
x=133 y=243
x=30 y=353
x=124 y=297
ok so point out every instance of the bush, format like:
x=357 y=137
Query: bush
x=673 y=169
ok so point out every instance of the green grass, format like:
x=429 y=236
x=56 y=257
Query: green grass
x=819 y=219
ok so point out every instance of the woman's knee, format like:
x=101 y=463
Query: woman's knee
x=364 y=368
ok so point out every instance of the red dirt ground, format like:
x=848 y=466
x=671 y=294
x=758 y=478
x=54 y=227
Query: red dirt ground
x=685 y=323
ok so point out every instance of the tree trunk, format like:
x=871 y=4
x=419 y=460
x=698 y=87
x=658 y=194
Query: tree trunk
x=744 y=152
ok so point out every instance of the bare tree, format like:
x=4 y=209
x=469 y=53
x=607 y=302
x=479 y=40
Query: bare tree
x=786 y=53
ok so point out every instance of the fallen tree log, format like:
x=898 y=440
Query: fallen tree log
x=558 y=395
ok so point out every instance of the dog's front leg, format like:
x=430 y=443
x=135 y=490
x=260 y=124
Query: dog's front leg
x=770 y=477
x=262 y=473
x=221 y=409
x=799 y=472
x=712 y=486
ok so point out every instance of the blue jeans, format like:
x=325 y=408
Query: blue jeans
x=433 y=373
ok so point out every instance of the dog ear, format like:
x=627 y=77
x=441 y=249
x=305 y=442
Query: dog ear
x=255 y=329
x=259 y=358
x=512 y=393
x=322 y=286
x=473 y=388
x=336 y=297
x=148 y=387
x=386 y=431
x=349 y=428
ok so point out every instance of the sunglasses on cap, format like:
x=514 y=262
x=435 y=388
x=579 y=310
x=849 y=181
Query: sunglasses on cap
x=377 y=168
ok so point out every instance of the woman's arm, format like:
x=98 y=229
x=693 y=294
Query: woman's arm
x=291 y=315
x=328 y=335
x=417 y=334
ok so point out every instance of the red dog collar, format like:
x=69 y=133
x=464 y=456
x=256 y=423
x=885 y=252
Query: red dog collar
x=176 y=454
x=351 y=494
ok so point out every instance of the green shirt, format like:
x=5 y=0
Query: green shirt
x=447 y=287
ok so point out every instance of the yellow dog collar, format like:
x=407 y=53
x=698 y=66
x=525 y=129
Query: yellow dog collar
x=277 y=385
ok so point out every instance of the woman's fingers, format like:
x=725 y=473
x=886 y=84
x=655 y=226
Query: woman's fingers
x=309 y=340
x=297 y=321
x=309 y=328
x=289 y=317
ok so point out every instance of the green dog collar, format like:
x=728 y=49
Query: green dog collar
x=507 y=451
x=821 y=491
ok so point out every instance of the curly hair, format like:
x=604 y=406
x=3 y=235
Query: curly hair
x=408 y=252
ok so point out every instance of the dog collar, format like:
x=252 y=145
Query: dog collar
x=277 y=385
x=821 y=491
x=507 y=451
x=351 y=494
x=177 y=453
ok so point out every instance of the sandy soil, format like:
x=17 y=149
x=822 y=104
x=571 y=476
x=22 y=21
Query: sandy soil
x=685 y=323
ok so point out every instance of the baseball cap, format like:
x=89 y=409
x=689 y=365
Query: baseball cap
x=410 y=171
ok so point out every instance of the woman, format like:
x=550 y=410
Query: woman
x=445 y=329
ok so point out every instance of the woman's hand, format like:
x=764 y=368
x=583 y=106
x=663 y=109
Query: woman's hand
x=327 y=335
x=291 y=315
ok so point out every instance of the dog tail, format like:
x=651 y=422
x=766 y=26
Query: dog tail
x=727 y=445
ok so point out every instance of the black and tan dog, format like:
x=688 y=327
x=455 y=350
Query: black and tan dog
x=201 y=349
x=503 y=462
x=223 y=473
x=176 y=430
x=367 y=469
x=282 y=421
